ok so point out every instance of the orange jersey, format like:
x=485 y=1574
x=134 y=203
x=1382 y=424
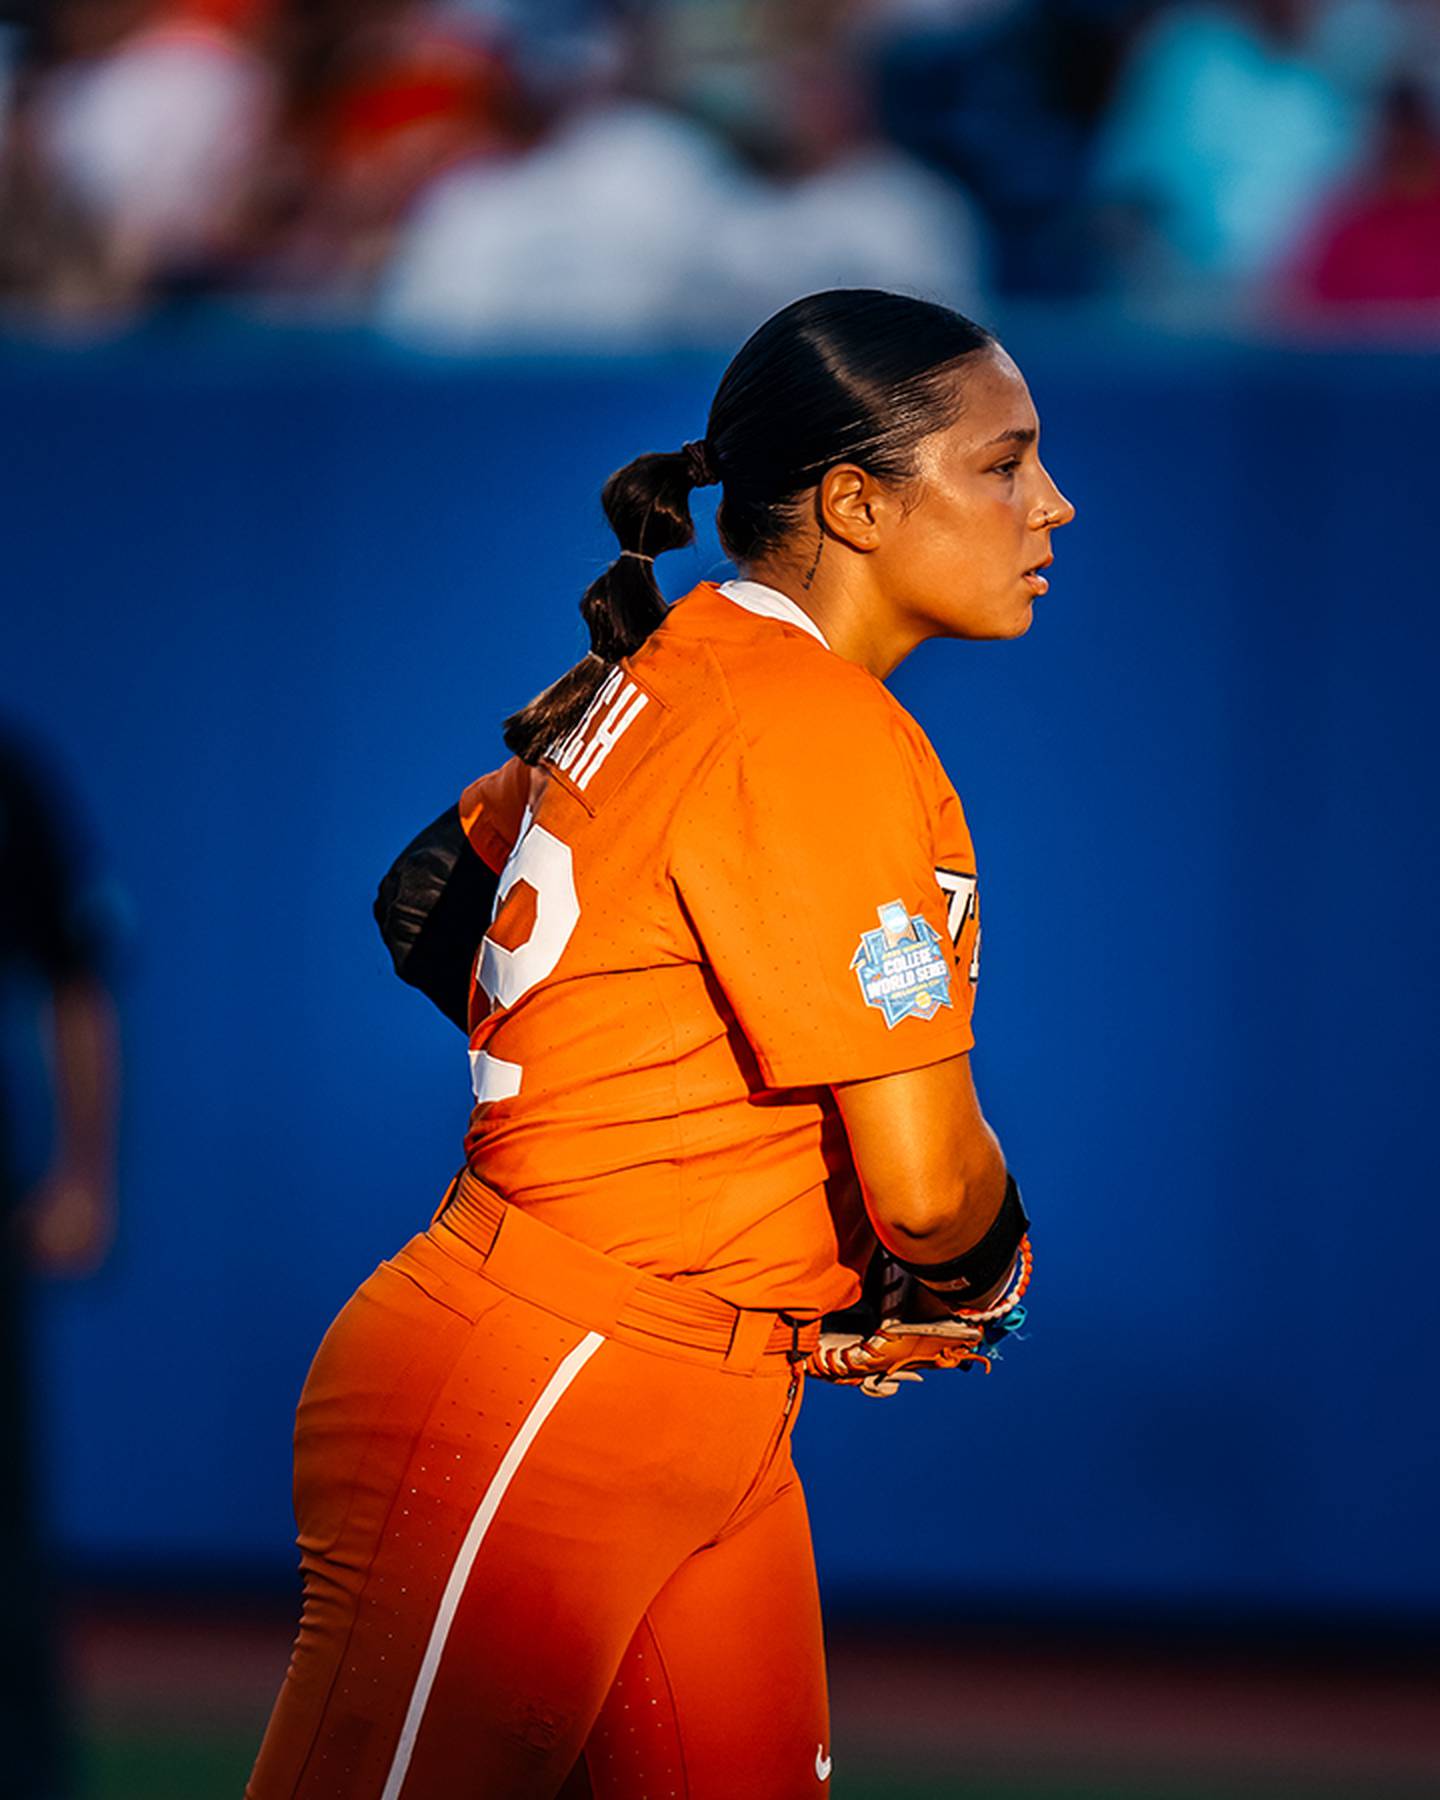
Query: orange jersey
x=743 y=878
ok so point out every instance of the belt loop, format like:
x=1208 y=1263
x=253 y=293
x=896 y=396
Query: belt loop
x=748 y=1337
x=795 y=1354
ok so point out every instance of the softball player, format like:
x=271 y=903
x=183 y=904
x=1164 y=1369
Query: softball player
x=719 y=1025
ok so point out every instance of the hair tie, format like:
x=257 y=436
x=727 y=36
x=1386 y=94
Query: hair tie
x=639 y=554
x=700 y=464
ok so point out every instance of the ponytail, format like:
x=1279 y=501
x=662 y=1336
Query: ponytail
x=648 y=505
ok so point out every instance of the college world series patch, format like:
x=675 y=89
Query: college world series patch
x=902 y=967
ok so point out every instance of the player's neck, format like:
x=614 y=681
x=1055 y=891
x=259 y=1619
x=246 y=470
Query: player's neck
x=840 y=598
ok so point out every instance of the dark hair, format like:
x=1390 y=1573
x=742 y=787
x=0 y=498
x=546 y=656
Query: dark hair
x=851 y=375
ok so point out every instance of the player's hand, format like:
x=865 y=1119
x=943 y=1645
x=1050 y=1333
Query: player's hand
x=68 y=1223
x=900 y=1327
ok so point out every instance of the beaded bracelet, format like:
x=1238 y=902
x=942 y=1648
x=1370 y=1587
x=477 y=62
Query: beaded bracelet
x=1015 y=1286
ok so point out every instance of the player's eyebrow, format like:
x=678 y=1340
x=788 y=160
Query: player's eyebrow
x=1019 y=434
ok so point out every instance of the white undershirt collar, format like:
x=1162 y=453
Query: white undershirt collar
x=770 y=603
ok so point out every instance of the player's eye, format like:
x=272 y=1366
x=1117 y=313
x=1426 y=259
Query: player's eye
x=1008 y=467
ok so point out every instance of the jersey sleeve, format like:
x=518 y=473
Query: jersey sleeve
x=810 y=866
x=492 y=810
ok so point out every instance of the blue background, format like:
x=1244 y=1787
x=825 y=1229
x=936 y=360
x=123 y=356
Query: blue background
x=268 y=602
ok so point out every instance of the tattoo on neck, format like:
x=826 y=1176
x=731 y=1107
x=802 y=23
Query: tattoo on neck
x=810 y=572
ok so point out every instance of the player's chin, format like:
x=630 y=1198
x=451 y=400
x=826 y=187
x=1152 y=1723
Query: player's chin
x=1012 y=622
x=997 y=619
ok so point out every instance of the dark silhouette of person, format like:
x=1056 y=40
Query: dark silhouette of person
x=52 y=982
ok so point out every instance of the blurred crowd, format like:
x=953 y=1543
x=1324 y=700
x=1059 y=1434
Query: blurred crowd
x=609 y=173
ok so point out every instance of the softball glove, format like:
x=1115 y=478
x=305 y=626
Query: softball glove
x=900 y=1327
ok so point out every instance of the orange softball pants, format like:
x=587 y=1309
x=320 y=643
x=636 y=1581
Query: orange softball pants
x=552 y=1538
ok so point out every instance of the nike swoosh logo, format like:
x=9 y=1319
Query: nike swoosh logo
x=823 y=1764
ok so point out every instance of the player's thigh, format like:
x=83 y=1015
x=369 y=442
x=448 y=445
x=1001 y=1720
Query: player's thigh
x=377 y=1517
x=421 y=1665
x=722 y=1690
x=647 y=1463
x=484 y=1518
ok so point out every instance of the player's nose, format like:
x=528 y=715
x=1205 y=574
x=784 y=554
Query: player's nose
x=1058 y=508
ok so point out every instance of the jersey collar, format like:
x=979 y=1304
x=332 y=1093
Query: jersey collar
x=770 y=603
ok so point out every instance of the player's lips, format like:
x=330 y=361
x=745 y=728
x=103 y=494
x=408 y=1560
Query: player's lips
x=1034 y=580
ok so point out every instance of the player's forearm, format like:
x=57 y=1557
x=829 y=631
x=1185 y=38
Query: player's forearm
x=86 y=1075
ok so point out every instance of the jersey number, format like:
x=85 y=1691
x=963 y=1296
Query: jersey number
x=546 y=866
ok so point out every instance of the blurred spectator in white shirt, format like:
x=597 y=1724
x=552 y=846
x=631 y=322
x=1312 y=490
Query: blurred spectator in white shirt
x=590 y=240
x=837 y=206
x=146 y=132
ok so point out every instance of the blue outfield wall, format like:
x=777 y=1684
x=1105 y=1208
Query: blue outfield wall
x=267 y=603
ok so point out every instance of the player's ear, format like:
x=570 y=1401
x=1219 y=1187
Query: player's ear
x=851 y=503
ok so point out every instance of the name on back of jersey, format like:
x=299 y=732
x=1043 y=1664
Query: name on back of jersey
x=581 y=755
